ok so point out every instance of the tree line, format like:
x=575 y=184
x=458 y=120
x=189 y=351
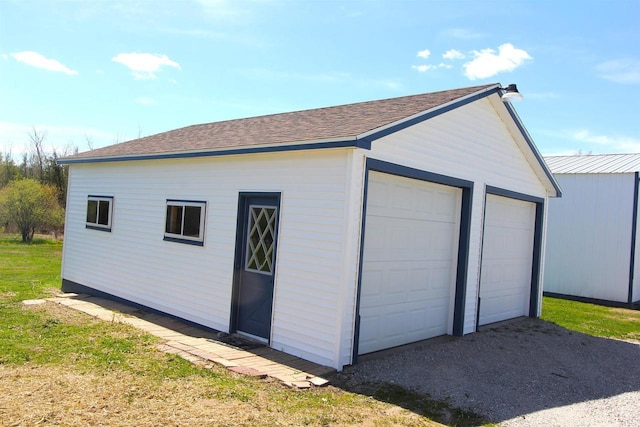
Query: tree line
x=33 y=189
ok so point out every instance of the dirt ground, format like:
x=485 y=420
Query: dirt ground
x=524 y=372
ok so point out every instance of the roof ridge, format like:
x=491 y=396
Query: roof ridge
x=325 y=124
x=328 y=107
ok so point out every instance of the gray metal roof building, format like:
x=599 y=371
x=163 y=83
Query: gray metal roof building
x=592 y=237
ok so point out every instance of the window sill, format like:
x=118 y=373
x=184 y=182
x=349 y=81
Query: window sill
x=184 y=241
x=95 y=227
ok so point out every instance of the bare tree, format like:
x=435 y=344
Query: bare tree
x=89 y=141
x=37 y=139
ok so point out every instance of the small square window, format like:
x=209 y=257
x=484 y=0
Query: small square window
x=99 y=211
x=185 y=222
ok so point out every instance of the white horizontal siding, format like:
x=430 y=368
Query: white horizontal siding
x=589 y=236
x=470 y=143
x=195 y=283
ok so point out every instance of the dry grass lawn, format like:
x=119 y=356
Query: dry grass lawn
x=37 y=395
x=73 y=393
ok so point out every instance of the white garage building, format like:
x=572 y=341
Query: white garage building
x=326 y=233
x=592 y=244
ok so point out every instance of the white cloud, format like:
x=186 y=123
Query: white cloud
x=452 y=54
x=225 y=10
x=143 y=100
x=39 y=61
x=343 y=78
x=425 y=68
x=461 y=33
x=145 y=65
x=613 y=143
x=424 y=54
x=571 y=141
x=422 y=68
x=625 y=70
x=486 y=63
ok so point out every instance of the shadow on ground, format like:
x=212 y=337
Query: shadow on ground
x=167 y=321
x=505 y=371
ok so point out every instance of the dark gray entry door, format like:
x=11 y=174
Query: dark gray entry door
x=255 y=264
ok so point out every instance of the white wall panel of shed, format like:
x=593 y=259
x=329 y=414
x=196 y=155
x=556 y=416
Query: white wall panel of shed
x=195 y=283
x=589 y=236
x=472 y=143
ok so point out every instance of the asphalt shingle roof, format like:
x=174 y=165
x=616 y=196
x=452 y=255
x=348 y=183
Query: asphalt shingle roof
x=344 y=122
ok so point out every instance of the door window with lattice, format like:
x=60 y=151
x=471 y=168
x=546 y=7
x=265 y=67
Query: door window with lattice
x=261 y=239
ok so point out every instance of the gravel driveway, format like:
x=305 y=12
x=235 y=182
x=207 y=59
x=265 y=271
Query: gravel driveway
x=526 y=372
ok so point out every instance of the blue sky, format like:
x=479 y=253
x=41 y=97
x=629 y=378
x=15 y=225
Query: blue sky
x=96 y=72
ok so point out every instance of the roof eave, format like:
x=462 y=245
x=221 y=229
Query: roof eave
x=343 y=142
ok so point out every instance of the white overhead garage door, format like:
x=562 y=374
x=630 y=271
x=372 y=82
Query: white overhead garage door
x=409 y=261
x=507 y=254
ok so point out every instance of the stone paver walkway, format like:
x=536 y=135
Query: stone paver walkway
x=200 y=345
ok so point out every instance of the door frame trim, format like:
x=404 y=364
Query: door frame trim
x=241 y=221
x=463 y=239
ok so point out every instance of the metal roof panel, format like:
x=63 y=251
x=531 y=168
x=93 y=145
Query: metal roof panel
x=594 y=163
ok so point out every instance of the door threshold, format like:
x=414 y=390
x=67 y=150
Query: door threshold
x=253 y=337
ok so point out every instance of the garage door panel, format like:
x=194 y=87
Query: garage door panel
x=409 y=259
x=406 y=281
x=401 y=200
x=507 y=243
x=497 y=304
x=445 y=206
x=393 y=325
x=397 y=239
x=430 y=203
x=505 y=282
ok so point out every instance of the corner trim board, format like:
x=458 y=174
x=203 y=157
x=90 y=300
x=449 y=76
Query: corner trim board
x=634 y=232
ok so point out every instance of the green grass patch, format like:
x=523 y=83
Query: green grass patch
x=91 y=369
x=592 y=319
x=28 y=271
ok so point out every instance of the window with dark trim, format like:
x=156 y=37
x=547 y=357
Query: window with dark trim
x=99 y=212
x=184 y=222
